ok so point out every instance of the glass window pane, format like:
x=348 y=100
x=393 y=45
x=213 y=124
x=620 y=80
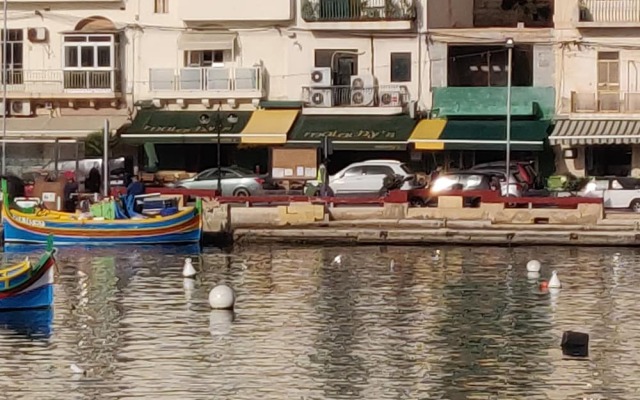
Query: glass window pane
x=70 y=56
x=86 y=56
x=400 y=67
x=104 y=56
x=614 y=73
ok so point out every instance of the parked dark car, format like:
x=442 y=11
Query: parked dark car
x=524 y=170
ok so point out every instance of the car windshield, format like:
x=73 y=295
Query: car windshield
x=406 y=169
x=242 y=171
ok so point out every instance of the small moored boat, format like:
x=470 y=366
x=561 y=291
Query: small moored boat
x=26 y=285
x=117 y=223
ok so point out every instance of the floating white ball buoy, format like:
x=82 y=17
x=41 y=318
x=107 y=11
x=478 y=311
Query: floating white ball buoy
x=337 y=260
x=222 y=297
x=435 y=256
x=188 y=271
x=220 y=322
x=554 y=282
x=534 y=266
x=533 y=276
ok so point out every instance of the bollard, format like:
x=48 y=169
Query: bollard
x=575 y=344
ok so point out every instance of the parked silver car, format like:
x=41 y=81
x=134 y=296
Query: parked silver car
x=236 y=181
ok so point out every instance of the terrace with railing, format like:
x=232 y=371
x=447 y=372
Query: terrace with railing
x=59 y=82
x=366 y=10
x=605 y=102
x=610 y=12
x=196 y=81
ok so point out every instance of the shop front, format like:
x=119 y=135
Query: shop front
x=354 y=138
x=597 y=147
x=463 y=143
x=188 y=140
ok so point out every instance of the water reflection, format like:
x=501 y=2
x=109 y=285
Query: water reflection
x=468 y=324
x=30 y=324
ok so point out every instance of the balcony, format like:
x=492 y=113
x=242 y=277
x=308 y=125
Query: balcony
x=613 y=102
x=347 y=100
x=609 y=13
x=358 y=15
x=206 y=83
x=234 y=11
x=77 y=83
x=491 y=101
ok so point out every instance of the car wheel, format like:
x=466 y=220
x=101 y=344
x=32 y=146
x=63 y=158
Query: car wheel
x=635 y=205
x=241 y=193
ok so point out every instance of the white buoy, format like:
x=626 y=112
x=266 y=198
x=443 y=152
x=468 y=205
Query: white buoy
x=337 y=260
x=188 y=271
x=554 y=282
x=222 y=297
x=220 y=322
x=392 y=265
x=534 y=266
x=533 y=276
x=435 y=256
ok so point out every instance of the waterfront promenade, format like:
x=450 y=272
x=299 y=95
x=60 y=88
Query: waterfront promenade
x=450 y=222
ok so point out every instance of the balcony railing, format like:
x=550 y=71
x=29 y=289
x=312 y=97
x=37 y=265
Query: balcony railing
x=605 y=102
x=349 y=10
x=347 y=96
x=610 y=11
x=211 y=79
x=62 y=81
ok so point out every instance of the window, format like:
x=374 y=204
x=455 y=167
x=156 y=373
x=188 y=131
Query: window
x=90 y=61
x=13 y=56
x=377 y=170
x=161 y=6
x=609 y=81
x=487 y=66
x=400 y=67
x=204 y=58
x=355 y=171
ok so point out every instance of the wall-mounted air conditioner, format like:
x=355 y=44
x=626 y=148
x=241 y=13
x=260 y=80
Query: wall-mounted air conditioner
x=20 y=108
x=363 y=90
x=320 y=77
x=389 y=98
x=38 y=35
x=321 y=98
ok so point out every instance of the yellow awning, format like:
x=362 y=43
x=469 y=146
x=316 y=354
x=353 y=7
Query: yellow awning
x=427 y=133
x=268 y=127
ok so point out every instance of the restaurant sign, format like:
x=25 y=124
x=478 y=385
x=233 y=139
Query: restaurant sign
x=352 y=135
x=191 y=129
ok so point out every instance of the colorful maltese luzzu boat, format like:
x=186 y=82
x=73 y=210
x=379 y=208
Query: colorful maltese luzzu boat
x=26 y=285
x=121 y=224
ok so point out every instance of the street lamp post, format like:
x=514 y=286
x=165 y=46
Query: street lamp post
x=509 y=45
x=218 y=125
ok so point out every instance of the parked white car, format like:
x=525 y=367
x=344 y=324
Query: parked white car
x=616 y=192
x=367 y=177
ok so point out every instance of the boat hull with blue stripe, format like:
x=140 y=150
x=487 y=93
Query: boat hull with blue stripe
x=26 y=285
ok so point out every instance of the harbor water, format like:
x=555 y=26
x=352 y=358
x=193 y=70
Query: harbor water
x=383 y=323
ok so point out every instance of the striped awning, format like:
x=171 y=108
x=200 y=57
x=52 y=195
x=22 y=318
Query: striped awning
x=588 y=131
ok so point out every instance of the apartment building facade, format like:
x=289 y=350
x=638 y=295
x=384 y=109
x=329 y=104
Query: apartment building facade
x=66 y=70
x=598 y=115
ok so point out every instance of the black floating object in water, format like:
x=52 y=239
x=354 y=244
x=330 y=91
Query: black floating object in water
x=575 y=344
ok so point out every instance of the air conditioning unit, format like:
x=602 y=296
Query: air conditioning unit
x=389 y=98
x=20 y=108
x=320 y=77
x=363 y=90
x=321 y=98
x=37 y=35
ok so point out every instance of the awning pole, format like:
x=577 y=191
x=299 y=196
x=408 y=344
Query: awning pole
x=56 y=156
x=105 y=159
x=5 y=108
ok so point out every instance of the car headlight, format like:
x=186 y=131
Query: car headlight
x=442 y=184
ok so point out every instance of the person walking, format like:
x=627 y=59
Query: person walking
x=92 y=183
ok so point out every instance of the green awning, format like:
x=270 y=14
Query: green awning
x=526 y=135
x=363 y=132
x=183 y=127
